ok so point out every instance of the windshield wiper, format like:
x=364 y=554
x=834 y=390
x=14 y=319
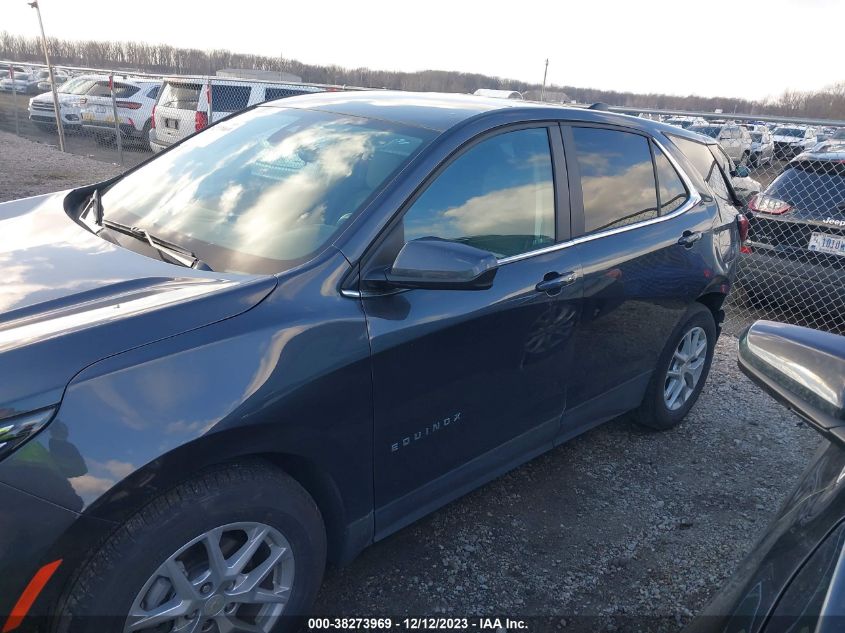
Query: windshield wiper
x=168 y=251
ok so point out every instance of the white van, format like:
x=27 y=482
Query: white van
x=183 y=104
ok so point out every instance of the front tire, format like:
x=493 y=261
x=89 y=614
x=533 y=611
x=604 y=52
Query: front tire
x=240 y=545
x=681 y=371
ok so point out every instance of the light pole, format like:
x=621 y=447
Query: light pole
x=543 y=90
x=59 y=127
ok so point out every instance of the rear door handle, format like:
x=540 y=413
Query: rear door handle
x=554 y=284
x=689 y=238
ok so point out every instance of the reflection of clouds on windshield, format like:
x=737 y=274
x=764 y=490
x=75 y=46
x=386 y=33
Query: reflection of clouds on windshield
x=509 y=211
x=271 y=184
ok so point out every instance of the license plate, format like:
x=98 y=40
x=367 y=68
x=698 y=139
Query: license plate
x=824 y=243
x=87 y=116
x=173 y=124
x=100 y=109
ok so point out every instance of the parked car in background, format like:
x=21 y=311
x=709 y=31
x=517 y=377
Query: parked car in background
x=685 y=121
x=24 y=81
x=835 y=139
x=71 y=96
x=134 y=100
x=44 y=79
x=183 y=106
x=321 y=319
x=734 y=139
x=796 y=241
x=792 y=140
x=762 y=146
x=794 y=579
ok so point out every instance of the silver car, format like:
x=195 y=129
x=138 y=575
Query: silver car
x=733 y=138
x=762 y=147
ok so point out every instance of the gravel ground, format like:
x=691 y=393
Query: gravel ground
x=620 y=529
x=29 y=169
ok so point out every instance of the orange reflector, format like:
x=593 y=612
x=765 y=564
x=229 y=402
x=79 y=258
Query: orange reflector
x=29 y=595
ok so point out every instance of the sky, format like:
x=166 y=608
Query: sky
x=734 y=48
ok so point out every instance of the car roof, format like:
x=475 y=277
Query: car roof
x=442 y=111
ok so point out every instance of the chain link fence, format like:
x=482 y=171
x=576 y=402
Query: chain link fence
x=789 y=174
x=122 y=116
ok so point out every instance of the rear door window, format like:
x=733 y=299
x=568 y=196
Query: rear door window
x=229 y=98
x=617 y=178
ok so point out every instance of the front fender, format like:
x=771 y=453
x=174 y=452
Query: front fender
x=291 y=378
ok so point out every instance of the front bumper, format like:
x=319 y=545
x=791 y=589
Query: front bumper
x=33 y=533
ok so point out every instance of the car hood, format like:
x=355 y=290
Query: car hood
x=70 y=298
x=778 y=138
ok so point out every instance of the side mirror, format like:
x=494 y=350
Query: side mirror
x=801 y=368
x=437 y=264
x=741 y=171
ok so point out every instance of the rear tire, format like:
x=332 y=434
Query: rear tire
x=162 y=556
x=659 y=410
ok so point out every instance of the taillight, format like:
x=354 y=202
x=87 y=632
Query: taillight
x=200 y=120
x=743 y=225
x=763 y=203
x=129 y=105
x=153 y=119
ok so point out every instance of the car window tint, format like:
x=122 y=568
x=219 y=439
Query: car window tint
x=617 y=178
x=153 y=92
x=702 y=159
x=811 y=185
x=497 y=196
x=673 y=193
x=99 y=89
x=228 y=98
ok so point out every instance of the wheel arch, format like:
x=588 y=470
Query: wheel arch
x=346 y=537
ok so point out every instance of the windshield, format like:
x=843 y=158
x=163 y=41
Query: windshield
x=839 y=134
x=757 y=137
x=709 y=130
x=789 y=131
x=262 y=191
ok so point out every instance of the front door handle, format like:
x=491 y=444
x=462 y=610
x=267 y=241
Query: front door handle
x=689 y=238
x=553 y=285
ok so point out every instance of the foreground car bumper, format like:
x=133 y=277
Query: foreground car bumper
x=36 y=533
x=782 y=280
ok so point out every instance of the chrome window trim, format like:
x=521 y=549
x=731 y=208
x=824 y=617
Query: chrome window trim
x=693 y=200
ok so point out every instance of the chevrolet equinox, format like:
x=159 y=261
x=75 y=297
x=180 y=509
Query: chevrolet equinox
x=298 y=331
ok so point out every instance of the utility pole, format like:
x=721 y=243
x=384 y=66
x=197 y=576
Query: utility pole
x=545 y=73
x=59 y=127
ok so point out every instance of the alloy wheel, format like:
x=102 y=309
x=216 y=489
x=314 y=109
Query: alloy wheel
x=685 y=368
x=233 y=578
